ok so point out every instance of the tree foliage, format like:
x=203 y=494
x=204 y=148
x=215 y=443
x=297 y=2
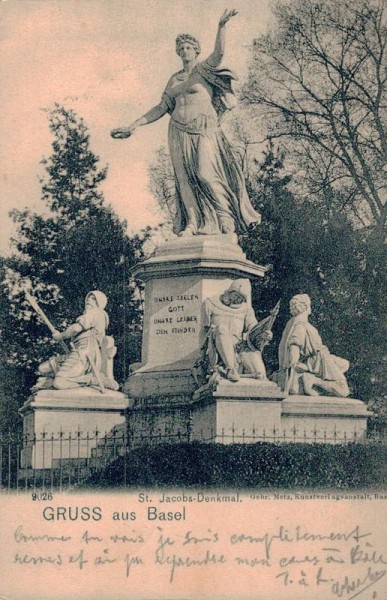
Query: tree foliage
x=162 y=183
x=77 y=246
x=339 y=266
x=318 y=82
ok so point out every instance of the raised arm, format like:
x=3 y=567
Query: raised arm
x=152 y=115
x=216 y=57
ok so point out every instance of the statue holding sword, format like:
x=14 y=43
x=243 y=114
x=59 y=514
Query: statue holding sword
x=84 y=363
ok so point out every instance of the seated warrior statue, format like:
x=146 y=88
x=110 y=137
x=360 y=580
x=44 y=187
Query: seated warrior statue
x=228 y=320
x=89 y=362
x=305 y=365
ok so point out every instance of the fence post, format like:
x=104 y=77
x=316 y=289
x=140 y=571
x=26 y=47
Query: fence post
x=1 y=462
x=34 y=442
x=9 y=459
x=314 y=434
x=114 y=443
x=88 y=448
x=52 y=461
x=44 y=458
x=17 y=462
x=96 y=442
x=78 y=455
x=189 y=428
x=126 y=442
x=60 y=459
x=105 y=451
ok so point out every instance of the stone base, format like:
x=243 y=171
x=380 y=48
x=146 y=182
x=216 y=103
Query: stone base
x=63 y=424
x=159 y=419
x=149 y=381
x=324 y=419
x=252 y=411
x=219 y=255
x=180 y=276
x=241 y=412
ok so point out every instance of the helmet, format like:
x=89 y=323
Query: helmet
x=100 y=298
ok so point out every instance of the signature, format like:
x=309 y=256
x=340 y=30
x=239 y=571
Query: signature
x=357 y=585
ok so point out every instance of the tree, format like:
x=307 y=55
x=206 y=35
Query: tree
x=78 y=246
x=318 y=82
x=329 y=261
x=12 y=379
x=162 y=184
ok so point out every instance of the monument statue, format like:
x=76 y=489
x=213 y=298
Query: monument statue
x=89 y=362
x=210 y=187
x=305 y=365
x=229 y=321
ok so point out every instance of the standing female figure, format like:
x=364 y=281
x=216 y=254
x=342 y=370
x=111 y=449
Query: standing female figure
x=210 y=187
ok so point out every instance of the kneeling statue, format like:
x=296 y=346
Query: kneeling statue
x=232 y=347
x=90 y=359
x=305 y=365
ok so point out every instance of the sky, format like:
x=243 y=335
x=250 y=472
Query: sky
x=109 y=60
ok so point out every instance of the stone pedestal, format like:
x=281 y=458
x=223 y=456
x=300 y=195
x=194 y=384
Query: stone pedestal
x=166 y=405
x=324 y=419
x=159 y=419
x=252 y=411
x=63 y=424
x=178 y=278
x=244 y=412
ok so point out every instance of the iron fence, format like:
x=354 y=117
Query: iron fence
x=67 y=459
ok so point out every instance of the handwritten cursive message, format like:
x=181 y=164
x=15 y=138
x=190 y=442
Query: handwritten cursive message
x=160 y=546
x=292 y=556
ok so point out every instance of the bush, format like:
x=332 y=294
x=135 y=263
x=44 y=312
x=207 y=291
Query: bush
x=240 y=466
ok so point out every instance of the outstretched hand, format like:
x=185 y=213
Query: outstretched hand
x=226 y=16
x=122 y=132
